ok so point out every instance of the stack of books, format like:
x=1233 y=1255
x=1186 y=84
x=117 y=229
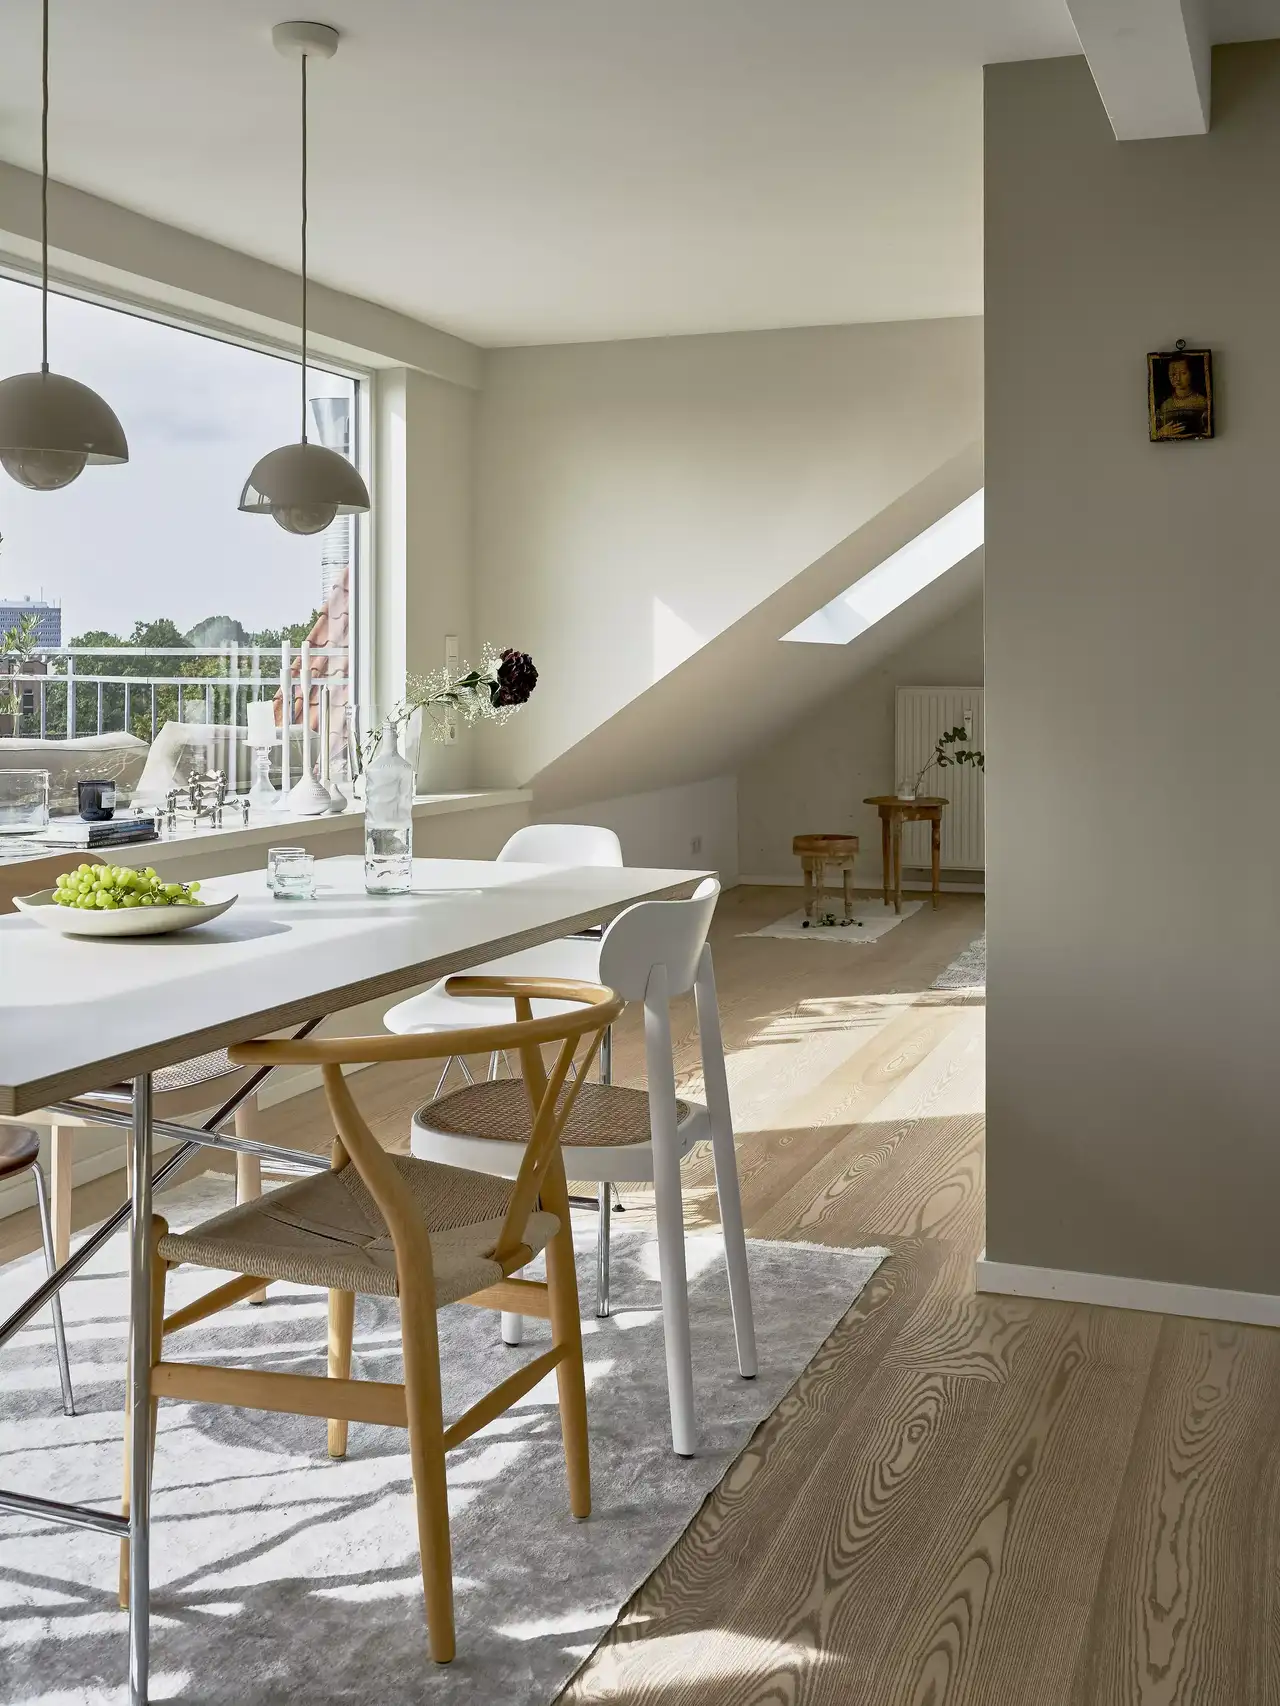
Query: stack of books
x=114 y=832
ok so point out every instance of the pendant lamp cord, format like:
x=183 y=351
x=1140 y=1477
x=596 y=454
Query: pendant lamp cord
x=44 y=197
x=304 y=247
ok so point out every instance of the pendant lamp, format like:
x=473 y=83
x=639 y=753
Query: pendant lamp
x=51 y=426
x=304 y=485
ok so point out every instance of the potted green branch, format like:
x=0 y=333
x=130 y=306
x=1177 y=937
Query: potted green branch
x=950 y=748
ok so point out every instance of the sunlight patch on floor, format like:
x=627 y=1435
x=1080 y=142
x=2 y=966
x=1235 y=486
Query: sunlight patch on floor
x=631 y=1668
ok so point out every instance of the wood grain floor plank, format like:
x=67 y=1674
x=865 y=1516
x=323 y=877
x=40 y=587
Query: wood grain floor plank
x=1176 y=1622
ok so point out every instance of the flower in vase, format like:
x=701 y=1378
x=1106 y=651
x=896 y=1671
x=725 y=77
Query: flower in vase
x=514 y=679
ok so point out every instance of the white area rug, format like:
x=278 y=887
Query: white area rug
x=871 y=920
x=969 y=971
x=280 y=1575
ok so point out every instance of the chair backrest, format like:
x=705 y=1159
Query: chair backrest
x=563 y=844
x=596 y=1010
x=670 y=933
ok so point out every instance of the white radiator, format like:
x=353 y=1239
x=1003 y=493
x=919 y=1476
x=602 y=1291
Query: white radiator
x=923 y=713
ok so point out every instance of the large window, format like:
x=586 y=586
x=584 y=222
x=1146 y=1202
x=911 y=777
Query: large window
x=139 y=602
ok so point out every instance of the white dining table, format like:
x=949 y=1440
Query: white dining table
x=85 y=1023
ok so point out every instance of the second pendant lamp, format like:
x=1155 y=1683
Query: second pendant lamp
x=304 y=486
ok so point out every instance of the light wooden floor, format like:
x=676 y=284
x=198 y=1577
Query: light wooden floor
x=965 y=1501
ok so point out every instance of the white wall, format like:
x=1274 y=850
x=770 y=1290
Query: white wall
x=1133 y=605
x=694 y=827
x=813 y=776
x=635 y=499
x=422 y=588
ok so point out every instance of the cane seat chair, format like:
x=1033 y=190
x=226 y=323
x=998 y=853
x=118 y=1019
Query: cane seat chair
x=427 y=1233
x=20 y=1153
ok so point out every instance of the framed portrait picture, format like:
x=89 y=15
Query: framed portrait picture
x=1180 y=394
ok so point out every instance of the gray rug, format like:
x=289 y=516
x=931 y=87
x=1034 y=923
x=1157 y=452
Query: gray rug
x=280 y=1575
x=969 y=971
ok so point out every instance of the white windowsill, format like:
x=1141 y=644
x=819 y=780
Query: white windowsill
x=266 y=830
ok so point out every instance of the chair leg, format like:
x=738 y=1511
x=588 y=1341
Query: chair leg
x=512 y=1326
x=249 y=1168
x=675 y=1297
x=566 y=1331
x=716 y=1079
x=426 y=1453
x=602 y=1253
x=60 y=1186
x=159 y=1271
x=735 y=1248
x=55 y=1304
x=440 y=1081
x=342 y=1319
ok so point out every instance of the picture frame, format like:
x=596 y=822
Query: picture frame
x=1180 y=394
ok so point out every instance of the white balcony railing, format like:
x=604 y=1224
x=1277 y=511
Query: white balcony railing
x=60 y=698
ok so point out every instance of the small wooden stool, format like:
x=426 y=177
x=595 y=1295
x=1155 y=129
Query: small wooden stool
x=815 y=853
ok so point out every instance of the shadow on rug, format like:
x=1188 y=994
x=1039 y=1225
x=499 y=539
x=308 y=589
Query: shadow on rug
x=278 y=1574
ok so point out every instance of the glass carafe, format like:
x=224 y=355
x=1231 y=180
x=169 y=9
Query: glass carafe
x=388 y=817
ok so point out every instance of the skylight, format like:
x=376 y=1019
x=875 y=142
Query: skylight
x=891 y=583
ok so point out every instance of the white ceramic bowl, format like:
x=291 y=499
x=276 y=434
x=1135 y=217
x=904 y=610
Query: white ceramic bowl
x=124 y=921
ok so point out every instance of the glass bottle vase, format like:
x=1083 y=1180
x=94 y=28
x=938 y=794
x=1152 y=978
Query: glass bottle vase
x=388 y=817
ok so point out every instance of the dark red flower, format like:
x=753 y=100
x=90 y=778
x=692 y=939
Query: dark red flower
x=517 y=679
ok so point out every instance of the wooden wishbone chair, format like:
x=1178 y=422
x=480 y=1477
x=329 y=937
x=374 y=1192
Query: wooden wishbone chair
x=425 y=1233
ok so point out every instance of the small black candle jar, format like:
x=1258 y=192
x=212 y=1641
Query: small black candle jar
x=97 y=801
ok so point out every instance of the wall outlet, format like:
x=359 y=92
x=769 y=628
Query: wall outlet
x=451 y=665
x=695 y=846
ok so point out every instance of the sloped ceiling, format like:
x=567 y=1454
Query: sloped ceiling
x=707 y=715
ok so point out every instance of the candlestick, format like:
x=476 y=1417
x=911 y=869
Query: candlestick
x=308 y=797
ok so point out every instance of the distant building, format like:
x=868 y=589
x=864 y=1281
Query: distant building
x=332 y=416
x=48 y=623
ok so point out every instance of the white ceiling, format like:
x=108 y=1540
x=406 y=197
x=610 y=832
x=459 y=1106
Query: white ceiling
x=549 y=170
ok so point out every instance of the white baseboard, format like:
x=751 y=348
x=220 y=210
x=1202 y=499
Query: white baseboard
x=1114 y=1291
x=864 y=880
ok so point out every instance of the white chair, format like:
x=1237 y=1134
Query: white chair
x=575 y=957
x=651 y=952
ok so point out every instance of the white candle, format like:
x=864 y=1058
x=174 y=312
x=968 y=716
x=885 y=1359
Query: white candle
x=306 y=709
x=261 y=723
x=286 y=714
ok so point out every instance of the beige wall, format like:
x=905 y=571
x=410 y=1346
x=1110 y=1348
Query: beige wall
x=814 y=776
x=422 y=587
x=1133 y=604
x=689 y=828
x=636 y=499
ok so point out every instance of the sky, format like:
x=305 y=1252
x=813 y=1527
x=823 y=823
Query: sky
x=162 y=534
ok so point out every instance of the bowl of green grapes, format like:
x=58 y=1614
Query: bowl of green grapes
x=114 y=901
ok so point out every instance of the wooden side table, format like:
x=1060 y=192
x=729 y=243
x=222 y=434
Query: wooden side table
x=925 y=808
x=815 y=853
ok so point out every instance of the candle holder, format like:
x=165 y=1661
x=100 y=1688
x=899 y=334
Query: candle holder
x=264 y=796
x=308 y=797
x=337 y=799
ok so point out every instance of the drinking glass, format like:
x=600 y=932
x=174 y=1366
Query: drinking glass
x=24 y=801
x=291 y=873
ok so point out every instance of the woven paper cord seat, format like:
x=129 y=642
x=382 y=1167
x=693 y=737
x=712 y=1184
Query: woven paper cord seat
x=326 y=1230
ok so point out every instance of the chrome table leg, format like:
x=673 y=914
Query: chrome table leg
x=140 y=1394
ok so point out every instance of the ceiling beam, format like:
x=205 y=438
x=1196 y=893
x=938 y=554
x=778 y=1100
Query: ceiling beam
x=1151 y=62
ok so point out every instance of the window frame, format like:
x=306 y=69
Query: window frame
x=362 y=643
